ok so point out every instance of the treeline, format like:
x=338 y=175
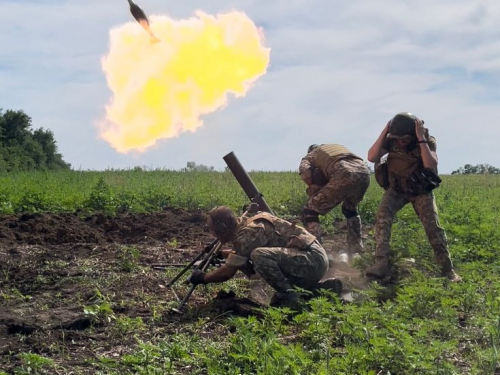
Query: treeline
x=25 y=149
x=477 y=169
x=191 y=166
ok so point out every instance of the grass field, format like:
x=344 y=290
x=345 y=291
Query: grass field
x=419 y=325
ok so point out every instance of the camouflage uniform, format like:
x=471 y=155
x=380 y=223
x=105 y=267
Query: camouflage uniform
x=346 y=180
x=401 y=191
x=283 y=254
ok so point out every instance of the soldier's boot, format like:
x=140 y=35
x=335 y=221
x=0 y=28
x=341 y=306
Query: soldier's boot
x=380 y=269
x=448 y=271
x=354 y=242
x=334 y=285
x=310 y=220
x=452 y=276
x=288 y=299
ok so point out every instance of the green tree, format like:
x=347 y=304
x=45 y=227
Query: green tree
x=477 y=169
x=16 y=125
x=48 y=143
x=192 y=166
x=23 y=149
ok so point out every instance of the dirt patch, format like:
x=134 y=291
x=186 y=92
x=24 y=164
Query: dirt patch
x=100 y=229
x=67 y=280
x=64 y=277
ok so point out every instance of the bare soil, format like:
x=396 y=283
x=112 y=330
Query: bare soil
x=53 y=267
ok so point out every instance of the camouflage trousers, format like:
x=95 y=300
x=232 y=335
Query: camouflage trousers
x=425 y=207
x=348 y=182
x=286 y=267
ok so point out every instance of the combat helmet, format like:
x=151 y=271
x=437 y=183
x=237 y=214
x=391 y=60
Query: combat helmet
x=312 y=148
x=223 y=222
x=403 y=124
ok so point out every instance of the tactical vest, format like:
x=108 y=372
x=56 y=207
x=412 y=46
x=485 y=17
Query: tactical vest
x=329 y=154
x=286 y=234
x=402 y=163
x=403 y=166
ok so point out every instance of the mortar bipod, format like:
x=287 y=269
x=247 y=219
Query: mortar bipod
x=202 y=266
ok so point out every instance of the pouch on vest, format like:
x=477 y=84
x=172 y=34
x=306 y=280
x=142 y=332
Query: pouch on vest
x=302 y=241
x=423 y=181
x=242 y=263
x=382 y=174
x=248 y=269
x=318 y=178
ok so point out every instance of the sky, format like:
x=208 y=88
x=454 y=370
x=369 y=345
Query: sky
x=338 y=71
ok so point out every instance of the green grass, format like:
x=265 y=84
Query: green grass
x=138 y=190
x=420 y=325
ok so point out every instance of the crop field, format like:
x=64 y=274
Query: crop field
x=86 y=258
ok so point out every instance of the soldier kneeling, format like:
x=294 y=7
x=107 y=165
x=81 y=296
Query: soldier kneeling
x=284 y=255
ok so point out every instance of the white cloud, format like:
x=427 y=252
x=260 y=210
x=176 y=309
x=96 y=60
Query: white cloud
x=339 y=70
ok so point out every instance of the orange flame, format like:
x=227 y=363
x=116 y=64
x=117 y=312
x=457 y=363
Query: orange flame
x=161 y=89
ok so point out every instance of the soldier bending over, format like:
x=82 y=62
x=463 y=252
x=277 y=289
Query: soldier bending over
x=334 y=175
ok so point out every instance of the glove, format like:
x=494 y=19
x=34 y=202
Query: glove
x=197 y=277
x=207 y=248
x=217 y=260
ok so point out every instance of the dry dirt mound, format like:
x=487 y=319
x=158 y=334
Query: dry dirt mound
x=67 y=279
x=50 y=229
x=55 y=266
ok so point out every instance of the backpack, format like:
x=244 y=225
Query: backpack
x=382 y=174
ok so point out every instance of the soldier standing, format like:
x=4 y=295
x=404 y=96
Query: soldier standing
x=334 y=175
x=411 y=176
x=284 y=255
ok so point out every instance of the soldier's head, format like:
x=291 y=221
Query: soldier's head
x=402 y=128
x=312 y=148
x=222 y=223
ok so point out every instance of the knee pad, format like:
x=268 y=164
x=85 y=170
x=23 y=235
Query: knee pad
x=348 y=213
x=310 y=216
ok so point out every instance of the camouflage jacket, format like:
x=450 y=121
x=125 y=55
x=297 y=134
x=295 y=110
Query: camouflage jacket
x=324 y=158
x=265 y=230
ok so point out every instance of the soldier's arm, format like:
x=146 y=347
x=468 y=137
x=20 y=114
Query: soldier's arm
x=428 y=153
x=248 y=239
x=378 y=149
x=221 y=274
x=306 y=167
x=427 y=146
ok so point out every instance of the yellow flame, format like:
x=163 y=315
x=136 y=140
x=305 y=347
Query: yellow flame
x=161 y=89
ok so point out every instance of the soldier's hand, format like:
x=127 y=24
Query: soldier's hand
x=217 y=259
x=208 y=248
x=387 y=126
x=419 y=129
x=197 y=277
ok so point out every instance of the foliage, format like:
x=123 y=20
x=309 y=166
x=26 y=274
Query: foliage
x=128 y=258
x=35 y=364
x=477 y=169
x=101 y=309
x=24 y=149
x=100 y=197
x=191 y=166
x=421 y=324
